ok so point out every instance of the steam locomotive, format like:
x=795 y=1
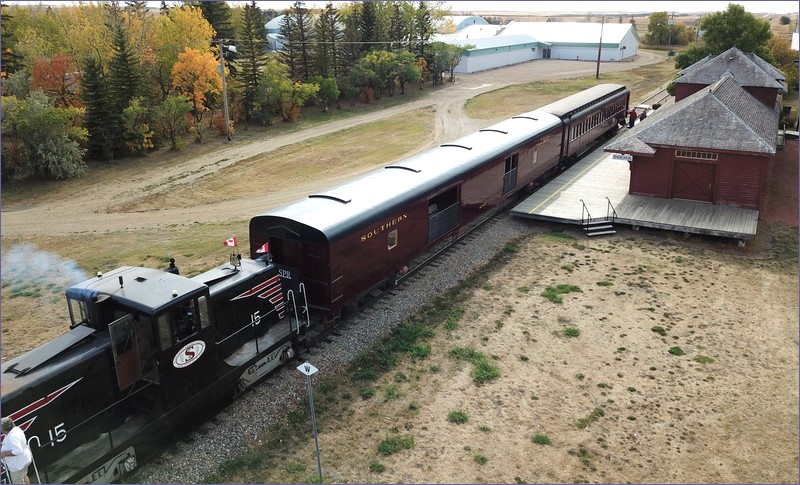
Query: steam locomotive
x=148 y=349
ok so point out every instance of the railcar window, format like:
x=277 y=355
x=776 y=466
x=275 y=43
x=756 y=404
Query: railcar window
x=393 y=239
x=512 y=162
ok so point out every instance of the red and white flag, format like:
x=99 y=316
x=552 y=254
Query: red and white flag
x=230 y=242
x=263 y=249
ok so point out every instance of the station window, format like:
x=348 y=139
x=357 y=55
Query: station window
x=696 y=155
x=393 y=239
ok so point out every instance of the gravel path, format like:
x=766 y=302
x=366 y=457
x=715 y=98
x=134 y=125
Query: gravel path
x=266 y=404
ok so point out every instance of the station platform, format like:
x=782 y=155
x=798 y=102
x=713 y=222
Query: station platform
x=596 y=187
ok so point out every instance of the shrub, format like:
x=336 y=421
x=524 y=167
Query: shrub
x=571 y=332
x=659 y=330
x=393 y=444
x=541 y=439
x=676 y=351
x=457 y=417
x=553 y=293
x=376 y=467
x=480 y=459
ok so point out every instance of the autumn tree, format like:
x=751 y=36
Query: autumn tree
x=279 y=95
x=136 y=120
x=328 y=91
x=658 y=30
x=174 y=31
x=195 y=76
x=59 y=78
x=736 y=27
x=48 y=137
x=170 y=119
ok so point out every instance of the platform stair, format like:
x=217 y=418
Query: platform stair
x=599 y=226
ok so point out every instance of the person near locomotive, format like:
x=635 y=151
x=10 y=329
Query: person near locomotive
x=16 y=453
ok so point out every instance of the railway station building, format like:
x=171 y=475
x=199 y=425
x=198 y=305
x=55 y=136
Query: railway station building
x=494 y=46
x=758 y=77
x=714 y=145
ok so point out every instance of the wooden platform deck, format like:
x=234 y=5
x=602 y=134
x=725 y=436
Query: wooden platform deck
x=602 y=182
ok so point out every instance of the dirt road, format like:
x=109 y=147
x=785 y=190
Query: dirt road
x=83 y=205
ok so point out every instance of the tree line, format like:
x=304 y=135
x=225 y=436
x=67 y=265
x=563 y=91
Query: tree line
x=101 y=81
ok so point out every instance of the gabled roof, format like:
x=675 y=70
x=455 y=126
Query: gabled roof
x=722 y=117
x=747 y=70
x=569 y=32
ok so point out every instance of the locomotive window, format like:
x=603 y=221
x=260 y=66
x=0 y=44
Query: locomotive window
x=178 y=324
x=393 y=239
x=203 y=311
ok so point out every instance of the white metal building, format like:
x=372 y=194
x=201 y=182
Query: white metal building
x=503 y=45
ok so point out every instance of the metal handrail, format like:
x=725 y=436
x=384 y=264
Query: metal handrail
x=588 y=218
x=611 y=213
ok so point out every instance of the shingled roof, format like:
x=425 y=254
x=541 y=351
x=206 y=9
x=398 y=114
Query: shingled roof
x=746 y=69
x=722 y=117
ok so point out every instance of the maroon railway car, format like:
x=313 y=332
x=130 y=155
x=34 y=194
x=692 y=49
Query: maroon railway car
x=354 y=237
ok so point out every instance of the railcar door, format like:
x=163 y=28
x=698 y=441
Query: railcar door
x=444 y=213
x=187 y=357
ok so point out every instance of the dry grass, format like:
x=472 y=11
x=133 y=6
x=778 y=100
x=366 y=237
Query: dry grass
x=506 y=102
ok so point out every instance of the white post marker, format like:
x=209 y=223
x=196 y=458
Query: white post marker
x=309 y=370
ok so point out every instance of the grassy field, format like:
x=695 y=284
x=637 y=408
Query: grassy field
x=506 y=102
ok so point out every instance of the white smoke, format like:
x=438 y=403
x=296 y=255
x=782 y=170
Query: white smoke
x=31 y=272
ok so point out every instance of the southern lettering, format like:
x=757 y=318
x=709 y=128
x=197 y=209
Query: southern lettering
x=379 y=229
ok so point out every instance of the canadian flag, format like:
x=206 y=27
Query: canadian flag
x=263 y=249
x=230 y=242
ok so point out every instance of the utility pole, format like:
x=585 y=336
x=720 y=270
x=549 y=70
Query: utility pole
x=600 y=47
x=221 y=70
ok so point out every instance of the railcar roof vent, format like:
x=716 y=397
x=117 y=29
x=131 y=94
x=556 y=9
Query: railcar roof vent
x=329 y=197
x=495 y=130
x=415 y=170
x=525 y=117
x=456 y=146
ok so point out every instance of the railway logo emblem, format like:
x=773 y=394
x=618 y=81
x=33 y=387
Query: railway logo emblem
x=269 y=290
x=188 y=354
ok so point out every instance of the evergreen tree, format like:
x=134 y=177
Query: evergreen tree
x=218 y=15
x=298 y=32
x=423 y=29
x=9 y=62
x=124 y=82
x=98 y=115
x=368 y=26
x=327 y=52
x=400 y=33
x=352 y=37
x=252 y=53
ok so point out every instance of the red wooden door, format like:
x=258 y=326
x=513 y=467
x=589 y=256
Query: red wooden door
x=693 y=180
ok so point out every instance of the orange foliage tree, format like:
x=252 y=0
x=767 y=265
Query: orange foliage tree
x=58 y=78
x=195 y=76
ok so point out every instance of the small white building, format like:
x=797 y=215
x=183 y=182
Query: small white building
x=503 y=45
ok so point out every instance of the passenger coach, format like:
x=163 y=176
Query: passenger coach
x=361 y=234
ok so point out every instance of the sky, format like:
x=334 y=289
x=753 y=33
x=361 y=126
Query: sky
x=597 y=6
x=626 y=6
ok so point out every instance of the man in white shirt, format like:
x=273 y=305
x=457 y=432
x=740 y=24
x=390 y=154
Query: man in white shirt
x=16 y=453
